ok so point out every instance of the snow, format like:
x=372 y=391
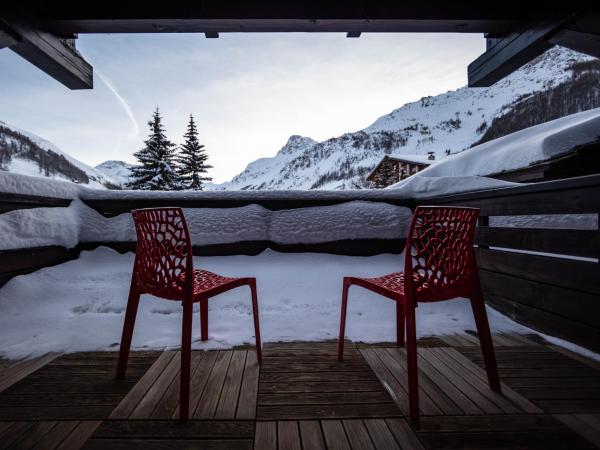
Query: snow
x=521 y=149
x=79 y=305
x=352 y=220
x=28 y=167
x=422 y=159
x=118 y=171
x=14 y=183
x=431 y=187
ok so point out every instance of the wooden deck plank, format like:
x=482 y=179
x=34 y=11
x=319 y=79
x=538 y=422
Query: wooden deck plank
x=380 y=434
x=132 y=399
x=404 y=434
x=57 y=435
x=397 y=368
x=332 y=409
x=476 y=381
x=155 y=393
x=199 y=379
x=14 y=432
x=32 y=436
x=288 y=435
x=488 y=424
x=324 y=398
x=162 y=444
x=320 y=386
x=265 y=435
x=486 y=406
x=15 y=373
x=507 y=392
x=335 y=435
x=583 y=426
x=274 y=377
x=232 y=384
x=249 y=389
x=297 y=412
x=174 y=429
x=212 y=391
x=311 y=435
x=357 y=434
x=392 y=385
x=79 y=436
x=447 y=396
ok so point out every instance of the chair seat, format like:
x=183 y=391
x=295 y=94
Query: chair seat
x=206 y=281
x=393 y=282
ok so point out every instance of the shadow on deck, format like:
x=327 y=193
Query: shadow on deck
x=302 y=398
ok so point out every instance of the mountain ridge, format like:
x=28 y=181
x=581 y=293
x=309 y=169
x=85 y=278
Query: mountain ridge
x=450 y=122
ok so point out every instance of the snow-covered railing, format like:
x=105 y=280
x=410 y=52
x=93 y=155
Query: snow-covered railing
x=537 y=247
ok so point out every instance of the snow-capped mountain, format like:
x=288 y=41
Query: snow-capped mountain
x=118 y=171
x=25 y=153
x=558 y=83
x=259 y=174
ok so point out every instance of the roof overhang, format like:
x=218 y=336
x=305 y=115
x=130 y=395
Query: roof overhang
x=43 y=32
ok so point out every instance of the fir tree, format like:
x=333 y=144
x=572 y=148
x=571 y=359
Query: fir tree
x=192 y=160
x=157 y=170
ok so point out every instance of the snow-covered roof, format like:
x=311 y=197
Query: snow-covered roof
x=521 y=149
x=419 y=159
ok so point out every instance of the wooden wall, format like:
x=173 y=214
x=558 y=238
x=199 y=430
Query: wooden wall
x=532 y=274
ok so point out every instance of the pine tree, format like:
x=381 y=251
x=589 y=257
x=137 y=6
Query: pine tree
x=192 y=160
x=157 y=170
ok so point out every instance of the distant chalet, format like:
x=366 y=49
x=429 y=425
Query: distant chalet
x=392 y=169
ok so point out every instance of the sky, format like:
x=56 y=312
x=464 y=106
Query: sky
x=247 y=92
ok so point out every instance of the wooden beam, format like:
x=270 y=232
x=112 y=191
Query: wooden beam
x=582 y=42
x=507 y=54
x=8 y=37
x=582 y=35
x=55 y=56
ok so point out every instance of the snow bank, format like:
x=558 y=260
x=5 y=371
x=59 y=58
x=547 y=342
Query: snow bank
x=429 y=187
x=39 y=227
x=521 y=149
x=79 y=305
x=352 y=220
x=12 y=183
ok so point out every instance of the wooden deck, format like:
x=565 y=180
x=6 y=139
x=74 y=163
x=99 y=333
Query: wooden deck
x=302 y=398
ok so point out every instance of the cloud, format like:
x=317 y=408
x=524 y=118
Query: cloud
x=109 y=84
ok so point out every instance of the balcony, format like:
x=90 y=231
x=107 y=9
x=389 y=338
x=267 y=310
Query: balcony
x=537 y=250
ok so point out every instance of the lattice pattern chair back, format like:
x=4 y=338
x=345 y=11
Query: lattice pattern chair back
x=163 y=261
x=439 y=260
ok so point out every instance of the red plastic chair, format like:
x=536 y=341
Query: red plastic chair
x=439 y=265
x=163 y=267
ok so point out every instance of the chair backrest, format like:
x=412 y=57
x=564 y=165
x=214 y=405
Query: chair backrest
x=163 y=259
x=440 y=262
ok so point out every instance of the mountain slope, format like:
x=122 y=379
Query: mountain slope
x=118 y=171
x=447 y=123
x=27 y=154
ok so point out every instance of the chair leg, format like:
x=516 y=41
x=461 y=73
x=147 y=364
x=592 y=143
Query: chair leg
x=256 y=320
x=400 y=324
x=130 y=314
x=343 y=319
x=204 y=319
x=485 y=339
x=186 y=354
x=411 y=362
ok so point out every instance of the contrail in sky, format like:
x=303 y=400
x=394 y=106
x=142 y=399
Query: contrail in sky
x=121 y=100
